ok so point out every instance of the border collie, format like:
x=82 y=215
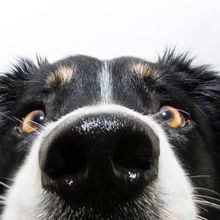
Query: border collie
x=120 y=139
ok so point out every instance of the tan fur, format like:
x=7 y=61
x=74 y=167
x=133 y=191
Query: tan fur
x=143 y=70
x=61 y=76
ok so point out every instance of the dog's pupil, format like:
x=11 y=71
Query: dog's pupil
x=166 y=115
x=38 y=118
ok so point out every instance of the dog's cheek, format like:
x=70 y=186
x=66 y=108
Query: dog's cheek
x=190 y=146
x=174 y=186
x=24 y=195
x=14 y=148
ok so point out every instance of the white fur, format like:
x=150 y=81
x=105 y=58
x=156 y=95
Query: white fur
x=105 y=81
x=173 y=184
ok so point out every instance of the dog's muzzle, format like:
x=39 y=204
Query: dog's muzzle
x=97 y=159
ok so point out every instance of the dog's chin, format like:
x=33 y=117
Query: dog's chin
x=100 y=209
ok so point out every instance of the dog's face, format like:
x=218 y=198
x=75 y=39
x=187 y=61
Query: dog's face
x=118 y=139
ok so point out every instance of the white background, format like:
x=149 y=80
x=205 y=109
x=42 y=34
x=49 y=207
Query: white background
x=107 y=29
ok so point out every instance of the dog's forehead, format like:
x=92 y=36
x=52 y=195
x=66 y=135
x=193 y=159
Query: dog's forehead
x=66 y=70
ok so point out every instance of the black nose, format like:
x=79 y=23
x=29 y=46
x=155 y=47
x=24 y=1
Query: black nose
x=99 y=158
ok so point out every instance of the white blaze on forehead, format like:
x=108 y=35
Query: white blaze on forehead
x=105 y=81
x=61 y=75
x=172 y=184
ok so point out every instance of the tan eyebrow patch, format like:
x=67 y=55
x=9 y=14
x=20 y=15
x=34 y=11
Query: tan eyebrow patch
x=61 y=75
x=143 y=70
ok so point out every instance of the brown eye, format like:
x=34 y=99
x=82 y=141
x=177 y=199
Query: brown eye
x=32 y=121
x=172 y=117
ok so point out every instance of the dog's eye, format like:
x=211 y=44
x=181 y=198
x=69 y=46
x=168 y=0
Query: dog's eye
x=172 y=117
x=32 y=121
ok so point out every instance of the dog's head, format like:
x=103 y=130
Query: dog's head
x=119 y=139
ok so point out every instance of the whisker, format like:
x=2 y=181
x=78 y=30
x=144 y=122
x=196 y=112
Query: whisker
x=7 y=178
x=200 y=218
x=16 y=119
x=208 y=197
x=34 y=122
x=207 y=190
x=2 y=203
x=153 y=116
x=8 y=117
x=201 y=207
x=2 y=198
x=5 y=185
x=200 y=176
x=207 y=203
x=13 y=118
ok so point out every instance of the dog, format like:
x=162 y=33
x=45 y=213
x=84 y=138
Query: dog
x=120 y=139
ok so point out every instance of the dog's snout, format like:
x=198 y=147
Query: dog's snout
x=103 y=156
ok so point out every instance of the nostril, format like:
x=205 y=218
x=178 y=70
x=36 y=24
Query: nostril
x=65 y=157
x=133 y=151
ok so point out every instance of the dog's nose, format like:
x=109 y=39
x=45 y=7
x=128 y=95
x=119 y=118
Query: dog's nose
x=103 y=157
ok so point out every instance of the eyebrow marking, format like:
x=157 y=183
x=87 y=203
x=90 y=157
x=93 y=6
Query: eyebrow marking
x=105 y=81
x=143 y=70
x=61 y=75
